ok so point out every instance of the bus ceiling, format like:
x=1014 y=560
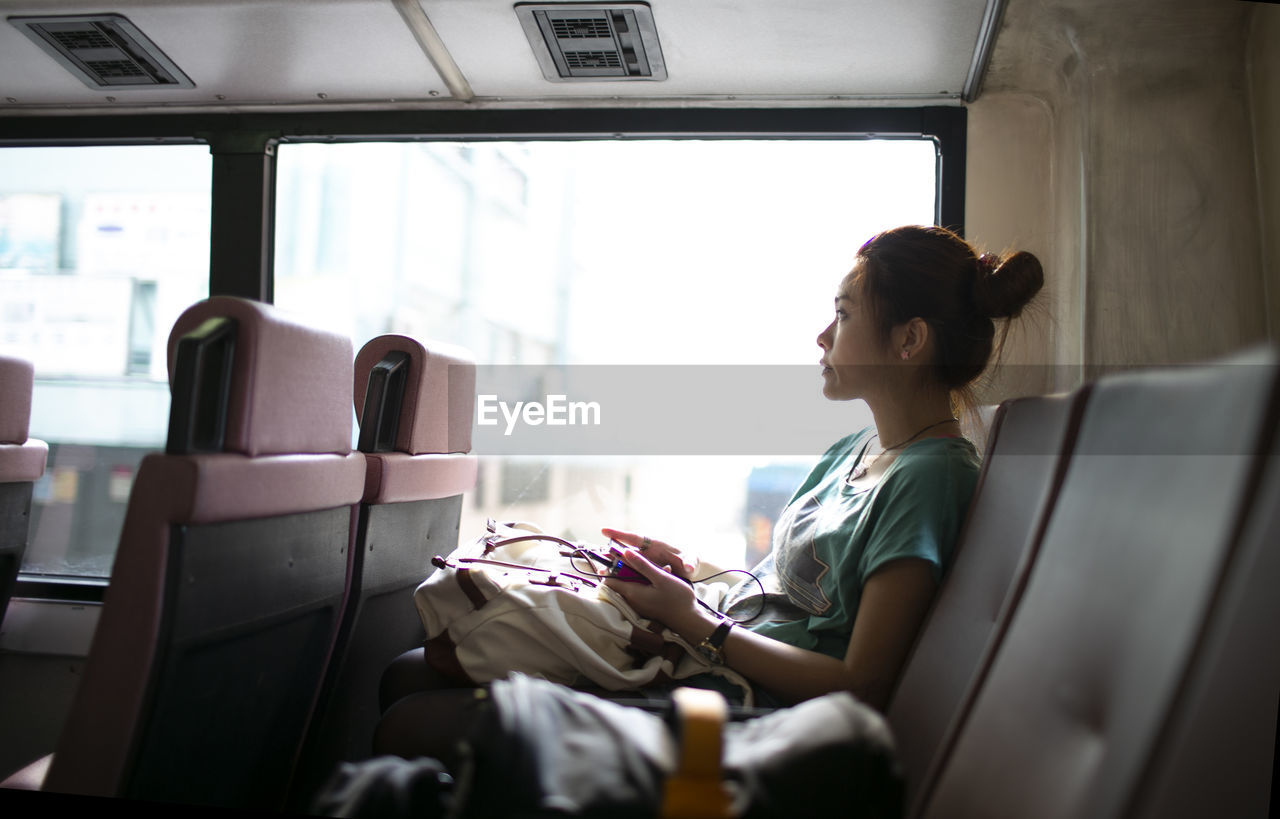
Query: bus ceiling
x=218 y=56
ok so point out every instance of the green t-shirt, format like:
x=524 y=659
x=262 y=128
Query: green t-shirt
x=831 y=537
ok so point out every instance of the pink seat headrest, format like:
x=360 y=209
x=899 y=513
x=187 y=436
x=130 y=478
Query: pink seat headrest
x=289 y=381
x=439 y=395
x=16 y=378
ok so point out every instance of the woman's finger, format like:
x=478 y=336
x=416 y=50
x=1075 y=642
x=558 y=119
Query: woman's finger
x=623 y=537
x=619 y=586
x=636 y=540
x=642 y=564
x=632 y=539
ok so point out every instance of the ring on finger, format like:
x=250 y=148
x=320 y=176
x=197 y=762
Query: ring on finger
x=644 y=544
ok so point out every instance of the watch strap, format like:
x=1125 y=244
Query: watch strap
x=712 y=646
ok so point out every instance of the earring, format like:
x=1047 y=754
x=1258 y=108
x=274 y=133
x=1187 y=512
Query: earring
x=905 y=355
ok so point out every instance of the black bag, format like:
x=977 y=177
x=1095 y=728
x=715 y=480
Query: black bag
x=540 y=749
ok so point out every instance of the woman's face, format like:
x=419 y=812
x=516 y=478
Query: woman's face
x=853 y=357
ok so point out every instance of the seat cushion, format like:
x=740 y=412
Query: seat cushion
x=277 y=405
x=23 y=462
x=16 y=378
x=439 y=394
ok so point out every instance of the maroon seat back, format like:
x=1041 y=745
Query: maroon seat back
x=416 y=404
x=1144 y=642
x=227 y=587
x=1028 y=448
x=22 y=462
x=1212 y=755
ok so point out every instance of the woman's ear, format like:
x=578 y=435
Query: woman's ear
x=910 y=338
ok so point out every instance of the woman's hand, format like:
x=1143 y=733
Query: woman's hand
x=666 y=598
x=657 y=552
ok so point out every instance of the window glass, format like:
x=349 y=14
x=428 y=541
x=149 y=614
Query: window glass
x=100 y=249
x=592 y=256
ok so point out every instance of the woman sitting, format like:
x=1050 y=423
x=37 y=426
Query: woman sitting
x=860 y=548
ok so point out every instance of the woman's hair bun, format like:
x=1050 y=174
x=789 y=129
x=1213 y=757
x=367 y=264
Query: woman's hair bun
x=1002 y=288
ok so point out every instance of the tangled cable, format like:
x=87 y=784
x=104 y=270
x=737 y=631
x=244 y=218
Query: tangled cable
x=582 y=553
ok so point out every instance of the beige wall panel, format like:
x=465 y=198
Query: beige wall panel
x=1156 y=250
x=1264 y=75
x=1010 y=155
x=1174 y=262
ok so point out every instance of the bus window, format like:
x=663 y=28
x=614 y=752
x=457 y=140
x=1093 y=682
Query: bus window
x=600 y=253
x=100 y=249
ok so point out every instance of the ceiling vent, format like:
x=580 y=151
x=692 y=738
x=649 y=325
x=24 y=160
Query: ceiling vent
x=593 y=41
x=104 y=50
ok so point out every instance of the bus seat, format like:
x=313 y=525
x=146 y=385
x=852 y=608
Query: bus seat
x=22 y=462
x=1028 y=449
x=227 y=587
x=977 y=426
x=1229 y=697
x=415 y=403
x=1106 y=676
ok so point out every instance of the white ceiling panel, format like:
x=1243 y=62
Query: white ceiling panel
x=265 y=51
x=717 y=48
x=333 y=54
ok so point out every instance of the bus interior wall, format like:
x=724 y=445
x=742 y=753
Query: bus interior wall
x=1135 y=145
x=1131 y=145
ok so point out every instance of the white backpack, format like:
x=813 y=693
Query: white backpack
x=516 y=600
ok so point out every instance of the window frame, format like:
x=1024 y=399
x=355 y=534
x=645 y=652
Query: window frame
x=243 y=148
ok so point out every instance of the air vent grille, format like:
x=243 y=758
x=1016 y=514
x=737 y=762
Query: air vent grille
x=113 y=69
x=592 y=59
x=570 y=28
x=578 y=41
x=105 y=51
x=80 y=39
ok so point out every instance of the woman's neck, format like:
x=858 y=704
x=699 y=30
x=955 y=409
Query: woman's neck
x=907 y=419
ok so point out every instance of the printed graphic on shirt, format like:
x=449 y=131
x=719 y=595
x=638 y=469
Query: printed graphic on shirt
x=746 y=604
x=795 y=552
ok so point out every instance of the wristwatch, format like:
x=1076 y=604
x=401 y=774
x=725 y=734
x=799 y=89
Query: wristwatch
x=712 y=647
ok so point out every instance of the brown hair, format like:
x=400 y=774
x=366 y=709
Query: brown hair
x=933 y=274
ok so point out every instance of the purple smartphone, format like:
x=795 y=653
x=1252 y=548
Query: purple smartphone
x=621 y=570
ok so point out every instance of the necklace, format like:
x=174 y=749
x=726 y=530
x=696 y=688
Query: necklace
x=862 y=466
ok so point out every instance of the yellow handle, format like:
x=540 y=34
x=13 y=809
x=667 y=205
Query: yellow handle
x=694 y=790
